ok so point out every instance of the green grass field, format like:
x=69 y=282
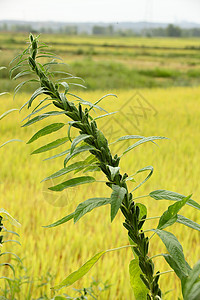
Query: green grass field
x=173 y=112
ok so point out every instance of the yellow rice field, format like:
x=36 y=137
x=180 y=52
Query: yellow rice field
x=172 y=112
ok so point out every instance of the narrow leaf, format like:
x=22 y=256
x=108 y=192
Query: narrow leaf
x=10 y=141
x=70 y=168
x=77 y=140
x=142 y=141
x=88 y=205
x=168 y=195
x=148 y=168
x=51 y=145
x=72 y=182
x=169 y=217
x=77 y=151
x=46 y=130
x=7 y=216
x=7 y=112
x=61 y=221
x=73 y=277
x=187 y=222
x=43 y=116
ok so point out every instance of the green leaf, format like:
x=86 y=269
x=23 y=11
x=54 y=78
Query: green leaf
x=51 y=145
x=46 y=130
x=72 y=182
x=10 y=141
x=43 y=116
x=143 y=210
x=35 y=110
x=38 y=92
x=128 y=137
x=169 y=217
x=192 y=282
x=70 y=168
x=172 y=263
x=168 y=195
x=7 y=112
x=102 y=99
x=21 y=84
x=73 y=277
x=77 y=140
x=139 y=288
x=117 y=197
x=114 y=171
x=195 y=292
x=58 y=155
x=102 y=116
x=142 y=141
x=8 y=217
x=174 y=248
x=77 y=151
x=187 y=222
x=148 y=168
x=88 y=205
x=61 y=221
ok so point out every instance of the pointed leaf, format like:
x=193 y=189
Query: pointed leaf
x=46 y=130
x=139 y=288
x=168 y=195
x=102 y=116
x=61 y=221
x=187 y=222
x=172 y=263
x=88 y=205
x=174 y=248
x=72 y=182
x=142 y=141
x=117 y=197
x=77 y=151
x=70 y=168
x=148 y=168
x=10 y=141
x=77 y=140
x=169 y=217
x=73 y=277
x=51 y=145
x=7 y=112
x=43 y=116
x=7 y=216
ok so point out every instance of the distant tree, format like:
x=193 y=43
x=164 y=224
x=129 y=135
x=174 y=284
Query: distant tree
x=173 y=31
x=99 y=30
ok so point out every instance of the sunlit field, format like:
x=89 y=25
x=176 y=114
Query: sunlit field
x=49 y=255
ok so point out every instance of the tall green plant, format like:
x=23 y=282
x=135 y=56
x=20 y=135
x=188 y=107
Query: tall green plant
x=144 y=279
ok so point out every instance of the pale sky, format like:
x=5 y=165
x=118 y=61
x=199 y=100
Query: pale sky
x=101 y=10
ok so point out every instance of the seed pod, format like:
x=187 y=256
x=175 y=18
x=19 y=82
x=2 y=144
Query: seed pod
x=145 y=281
x=32 y=63
x=101 y=140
